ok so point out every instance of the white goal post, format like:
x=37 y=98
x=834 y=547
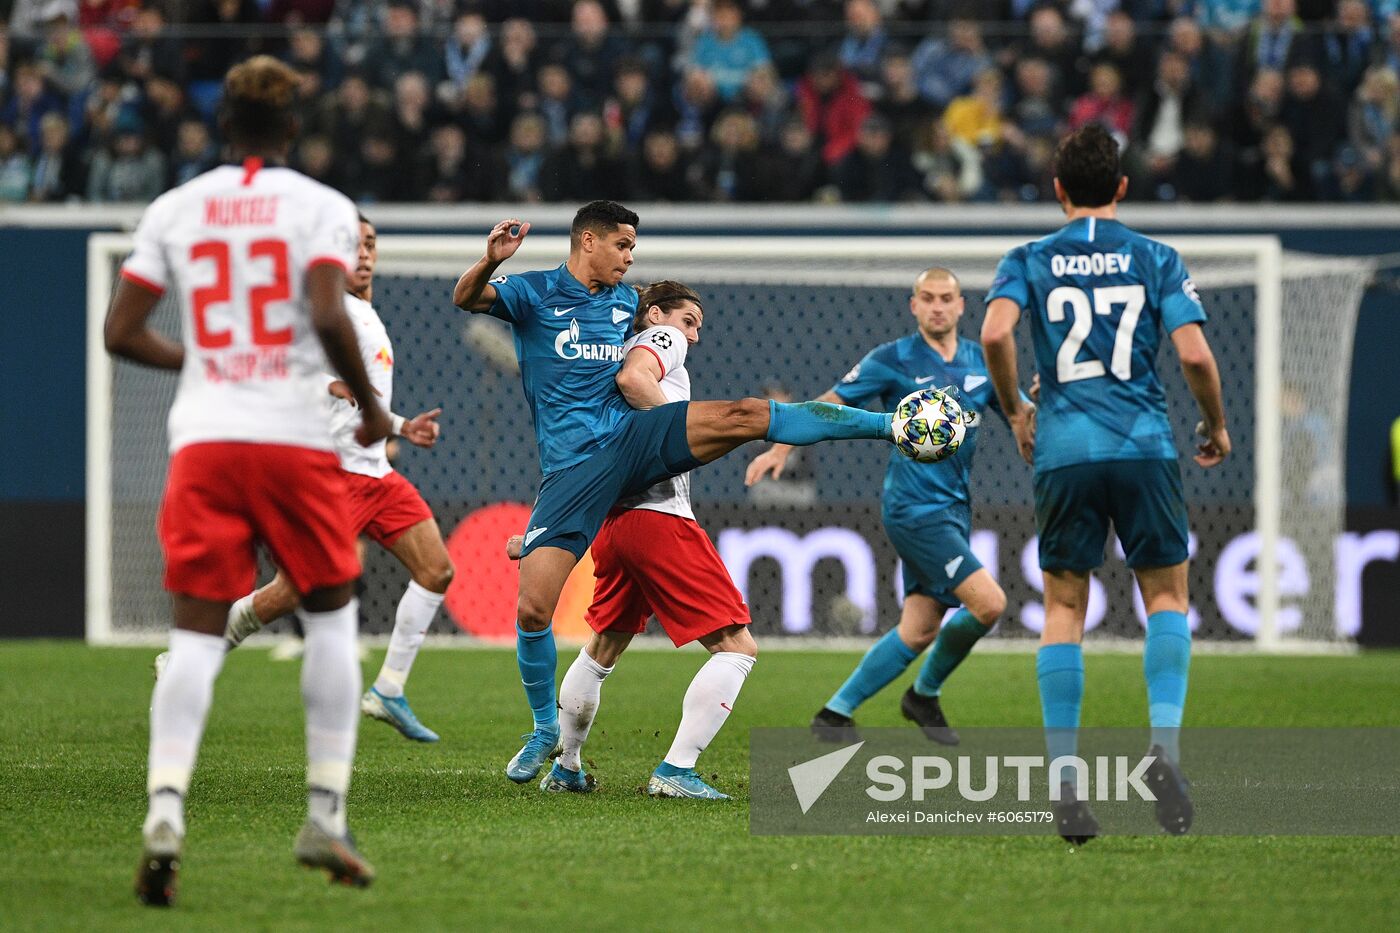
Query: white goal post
x=1249 y=271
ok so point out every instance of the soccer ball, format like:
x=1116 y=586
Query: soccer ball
x=929 y=425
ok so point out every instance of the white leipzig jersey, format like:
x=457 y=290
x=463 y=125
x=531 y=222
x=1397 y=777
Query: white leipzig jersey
x=378 y=355
x=234 y=246
x=669 y=346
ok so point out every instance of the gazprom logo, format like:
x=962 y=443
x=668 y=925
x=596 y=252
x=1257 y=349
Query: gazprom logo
x=568 y=347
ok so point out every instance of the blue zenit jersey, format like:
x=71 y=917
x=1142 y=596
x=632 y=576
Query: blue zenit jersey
x=569 y=343
x=893 y=370
x=1099 y=297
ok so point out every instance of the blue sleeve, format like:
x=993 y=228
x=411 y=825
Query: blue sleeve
x=1011 y=279
x=758 y=49
x=867 y=382
x=1176 y=296
x=514 y=299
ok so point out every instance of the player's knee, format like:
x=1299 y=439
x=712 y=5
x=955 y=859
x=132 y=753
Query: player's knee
x=533 y=613
x=437 y=577
x=735 y=639
x=747 y=416
x=990 y=607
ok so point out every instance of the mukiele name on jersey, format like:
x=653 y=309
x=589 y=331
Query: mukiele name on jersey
x=1090 y=264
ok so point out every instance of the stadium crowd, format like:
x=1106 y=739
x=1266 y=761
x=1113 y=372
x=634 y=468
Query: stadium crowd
x=715 y=100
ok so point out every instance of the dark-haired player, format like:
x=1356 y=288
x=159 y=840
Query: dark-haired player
x=256 y=255
x=570 y=324
x=1099 y=298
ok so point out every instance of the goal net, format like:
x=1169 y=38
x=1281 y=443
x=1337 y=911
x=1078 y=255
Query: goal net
x=792 y=315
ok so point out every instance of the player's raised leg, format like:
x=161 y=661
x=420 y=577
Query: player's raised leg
x=543 y=573
x=1166 y=663
x=421 y=550
x=713 y=429
x=983 y=603
x=707 y=705
x=248 y=615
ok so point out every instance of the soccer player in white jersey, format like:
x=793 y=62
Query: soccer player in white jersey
x=651 y=557
x=383 y=506
x=256 y=255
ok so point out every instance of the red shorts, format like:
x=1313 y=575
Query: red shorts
x=223 y=498
x=384 y=507
x=653 y=563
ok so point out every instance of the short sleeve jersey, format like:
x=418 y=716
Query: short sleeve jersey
x=378 y=355
x=569 y=344
x=233 y=247
x=1099 y=297
x=893 y=370
x=669 y=346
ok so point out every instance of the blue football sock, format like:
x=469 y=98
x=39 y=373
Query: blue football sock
x=1166 y=659
x=1060 y=671
x=536 y=655
x=885 y=661
x=809 y=422
x=955 y=640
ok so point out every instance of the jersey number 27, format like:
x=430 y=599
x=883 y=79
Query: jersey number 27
x=1068 y=367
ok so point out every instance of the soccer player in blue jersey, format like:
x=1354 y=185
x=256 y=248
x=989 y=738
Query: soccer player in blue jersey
x=926 y=513
x=569 y=325
x=1099 y=298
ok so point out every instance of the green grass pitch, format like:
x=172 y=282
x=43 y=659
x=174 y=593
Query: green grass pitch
x=460 y=847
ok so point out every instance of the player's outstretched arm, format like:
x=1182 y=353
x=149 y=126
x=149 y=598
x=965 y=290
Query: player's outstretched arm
x=774 y=460
x=325 y=291
x=126 y=335
x=1203 y=379
x=421 y=430
x=999 y=348
x=639 y=379
x=473 y=291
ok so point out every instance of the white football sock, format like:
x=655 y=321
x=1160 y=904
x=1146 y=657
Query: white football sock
x=707 y=705
x=242 y=621
x=179 y=708
x=330 y=688
x=411 y=622
x=579 y=696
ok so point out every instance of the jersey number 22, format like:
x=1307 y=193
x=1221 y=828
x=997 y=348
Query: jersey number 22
x=1068 y=367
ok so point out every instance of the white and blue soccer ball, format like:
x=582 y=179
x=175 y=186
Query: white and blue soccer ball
x=929 y=425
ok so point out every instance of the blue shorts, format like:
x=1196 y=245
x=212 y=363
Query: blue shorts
x=647 y=447
x=1143 y=499
x=936 y=552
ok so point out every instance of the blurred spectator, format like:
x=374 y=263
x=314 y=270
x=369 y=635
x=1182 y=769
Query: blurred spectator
x=1125 y=52
x=728 y=50
x=556 y=101
x=1052 y=40
x=468 y=50
x=590 y=53
x=1104 y=103
x=1163 y=113
x=1315 y=117
x=479 y=111
x=832 y=105
x=298 y=12
x=1375 y=114
x=403 y=48
x=660 y=175
x=103 y=22
x=1034 y=111
x=1204 y=168
x=945 y=68
x=64 y=56
x=951 y=168
x=376 y=176
x=195 y=152
x=15 y=167
x=525 y=158
x=1274 y=40
x=315 y=158
x=1350 y=180
x=584 y=168
x=513 y=64
x=863 y=45
x=1209 y=65
x=1348 y=45
x=163 y=110
x=766 y=100
x=353 y=113
x=223 y=40
x=634 y=108
x=1226 y=19
x=793 y=169
x=1389 y=182
x=976 y=118
x=728 y=165
x=1285 y=176
x=899 y=99
x=877 y=169
x=1249 y=123
x=58 y=169
x=697 y=105
x=308 y=52
x=413 y=115
x=28 y=103
x=126 y=169
x=457 y=170
x=147 y=50
x=1390 y=54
